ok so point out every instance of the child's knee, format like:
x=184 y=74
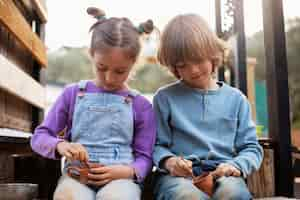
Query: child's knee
x=232 y=188
x=179 y=189
x=65 y=193
x=120 y=189
x=70 y=189
x=187 y=193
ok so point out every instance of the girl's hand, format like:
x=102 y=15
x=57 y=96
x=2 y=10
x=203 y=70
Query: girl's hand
x=178 y=166
x=225 y=169
x=104 y=174
x=72 y=151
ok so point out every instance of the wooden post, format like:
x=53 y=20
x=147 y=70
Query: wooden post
x=221 y=70
x=262 y=183
x=251 y=62
x=278 y=95
x=240 y=61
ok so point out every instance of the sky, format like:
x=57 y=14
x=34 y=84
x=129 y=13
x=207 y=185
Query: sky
x=68 y=23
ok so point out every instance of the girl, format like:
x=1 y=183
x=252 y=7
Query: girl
x=200 y=119
x=105 y=122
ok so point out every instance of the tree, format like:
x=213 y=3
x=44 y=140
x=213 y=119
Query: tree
x=255 y=48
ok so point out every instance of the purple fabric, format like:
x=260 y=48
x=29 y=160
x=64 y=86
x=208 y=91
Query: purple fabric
x=45 y=136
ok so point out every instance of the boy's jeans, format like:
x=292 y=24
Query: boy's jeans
x=167 y=187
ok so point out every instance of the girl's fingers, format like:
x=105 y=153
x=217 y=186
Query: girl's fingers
x=99 y=170
x=83 y=155
x=98 y=177
x=74 y=152
x=68 y=155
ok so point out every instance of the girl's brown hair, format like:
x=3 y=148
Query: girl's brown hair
x=116 y=32
x=188 y=38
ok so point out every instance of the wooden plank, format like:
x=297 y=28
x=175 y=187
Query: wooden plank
x=41 y=10
x=18 y=83
x=13 y=20
x=240 y=57
x=6 y=168
x=38 y=7
x=262 y=182
x=2 y=107
x=5 y=132
x=16 y=123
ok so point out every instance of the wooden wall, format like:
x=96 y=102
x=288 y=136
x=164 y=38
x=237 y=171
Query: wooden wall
x=23 y=60
x=14 y=112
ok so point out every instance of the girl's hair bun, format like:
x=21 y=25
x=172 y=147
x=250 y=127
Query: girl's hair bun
x=146 y=27
x=96 y=12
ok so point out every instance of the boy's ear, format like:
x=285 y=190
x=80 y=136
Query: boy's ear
x=175 y=72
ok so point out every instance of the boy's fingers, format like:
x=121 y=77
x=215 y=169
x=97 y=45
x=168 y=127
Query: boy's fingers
x=183 y=165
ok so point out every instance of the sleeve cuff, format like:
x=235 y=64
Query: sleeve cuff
x=52 y=152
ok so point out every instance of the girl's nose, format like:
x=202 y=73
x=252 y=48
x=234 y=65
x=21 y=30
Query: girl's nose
x=109 y=77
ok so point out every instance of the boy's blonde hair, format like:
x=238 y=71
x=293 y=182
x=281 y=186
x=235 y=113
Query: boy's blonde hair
x=188 y=38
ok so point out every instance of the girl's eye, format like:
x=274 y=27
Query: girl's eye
x=101 y=69
x=120 y=72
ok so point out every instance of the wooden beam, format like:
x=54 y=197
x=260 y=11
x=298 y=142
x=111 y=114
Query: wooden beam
x=251 y=63
x=18 y=83
x=41 y=10
x=278 y=95
x=240 y=60
x=38 y=7
x=14 y=21
x=262 y=182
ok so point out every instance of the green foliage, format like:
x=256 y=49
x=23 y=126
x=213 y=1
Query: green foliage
x=255 y=48
x=149 y=77
x=68 y=65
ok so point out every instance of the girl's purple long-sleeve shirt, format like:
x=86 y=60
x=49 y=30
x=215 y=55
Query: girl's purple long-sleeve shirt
x=59 y=118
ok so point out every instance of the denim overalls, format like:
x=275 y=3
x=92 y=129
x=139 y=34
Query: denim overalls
x=103 y=123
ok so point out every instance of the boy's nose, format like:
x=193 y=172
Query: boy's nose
x=195 y=69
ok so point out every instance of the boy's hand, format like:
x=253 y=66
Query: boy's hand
x=72 y=151
x=178 y=166
x=104 y=174
x=225 y=169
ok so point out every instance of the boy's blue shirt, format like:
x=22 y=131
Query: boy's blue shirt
x=213 y=124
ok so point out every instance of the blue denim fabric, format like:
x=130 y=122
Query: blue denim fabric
x=103 y=124
x=203 y=165
x=168 y=187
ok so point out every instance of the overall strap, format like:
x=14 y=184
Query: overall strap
x=82 y=87
x=133 y=93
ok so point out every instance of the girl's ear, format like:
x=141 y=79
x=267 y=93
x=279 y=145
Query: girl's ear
x=91 y=53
